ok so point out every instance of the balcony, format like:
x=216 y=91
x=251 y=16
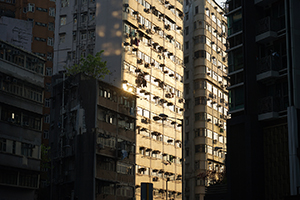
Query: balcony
x=266 y=30
x=267 y=67
x=263 y=3
x=268 y=108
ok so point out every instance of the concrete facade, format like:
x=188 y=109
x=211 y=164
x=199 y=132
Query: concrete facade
x=263 y=69
x=92 y=140
x=206 y=96
x=21 y=108
x=142 y=43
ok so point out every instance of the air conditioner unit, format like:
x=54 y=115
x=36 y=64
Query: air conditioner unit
x=181 y=100
x=215 y=141
x=140 y=61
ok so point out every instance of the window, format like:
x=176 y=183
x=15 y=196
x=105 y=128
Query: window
x=198 y=54
x=207 y=12
x=209 y=149
x=52 y=12
x=186 y=16
x=187 y=121
x=14 y=147
x=64 y=3
x=236 y=98
x=26 y=149
x=186 y=74
x=197 y=164
x=200 y=101
x=47 y=103
x=83 y=18
x=186 y=88
x=187 y=136
x=2 y=145
x=62 y=38
x=92 y=16
x=235 y=22
x=200 y=148
x=83 y=35
x=50 y=41
x=47 y=119
x=186 y=30
x=213 y=17
x=50 y=58
x=92 y=35
x=196 y=10
x=235 y=59
x=30 y=7
x=74 y=35
x=187 y=104
x=186 y=59
x=46 y=135
x=187 y=152
x=51 y=26
x=200 y=116
x=63 y=20
x=40 y=24
x=187 y=45
x=124 y=168
x=75 y=18
x=199 y=132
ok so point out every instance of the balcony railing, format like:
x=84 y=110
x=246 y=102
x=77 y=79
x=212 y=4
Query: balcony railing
x=268 y=63
x=267 y=24
x=269 y=104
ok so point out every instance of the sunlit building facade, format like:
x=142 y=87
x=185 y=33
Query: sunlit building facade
x=206 y=96
x=143 y=46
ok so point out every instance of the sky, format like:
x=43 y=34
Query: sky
x=220 y=2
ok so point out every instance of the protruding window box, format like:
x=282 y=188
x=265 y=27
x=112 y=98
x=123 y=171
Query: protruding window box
x=267 y=67
x=266 y=30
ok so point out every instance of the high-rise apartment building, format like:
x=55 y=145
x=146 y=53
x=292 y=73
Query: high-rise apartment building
x=40 y=41
x=263 y=138
x=21 y=108
x=142 y=43
x=92 y=140
x=42 y=16
x=206 y=97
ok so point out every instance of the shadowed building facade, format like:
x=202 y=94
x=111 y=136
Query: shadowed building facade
x=263 y=138
x=21 y=114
